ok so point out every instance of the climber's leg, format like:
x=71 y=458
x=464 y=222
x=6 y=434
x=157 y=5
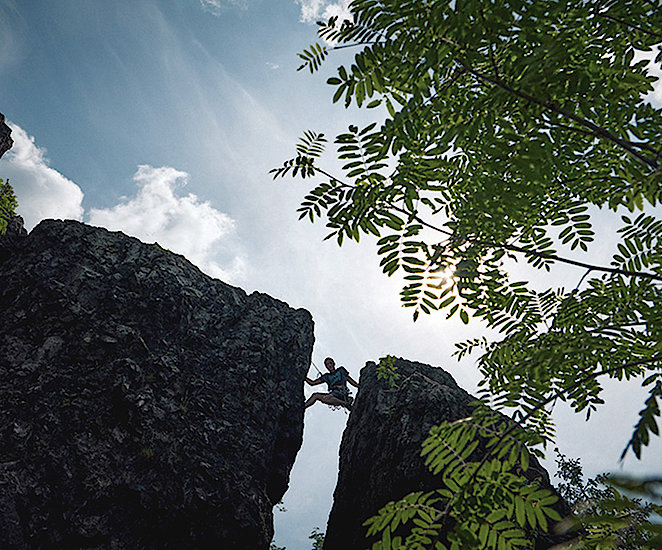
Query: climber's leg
x=325 y=398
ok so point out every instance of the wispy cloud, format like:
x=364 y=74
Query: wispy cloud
x=215 y=7
x=314 y=10
x=11 y=51
x=181 y=223
x=42 y=191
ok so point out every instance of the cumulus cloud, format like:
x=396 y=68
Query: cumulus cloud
x=158 y=212
x=181 y=223
x=216 y=6
x=315 y=10
x=42 y=192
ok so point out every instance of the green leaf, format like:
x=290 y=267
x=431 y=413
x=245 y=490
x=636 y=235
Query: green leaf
x=524 y=459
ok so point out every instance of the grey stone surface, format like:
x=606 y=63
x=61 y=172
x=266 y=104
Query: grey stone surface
x=380 y=453
x=143 y=405
x=6 y=141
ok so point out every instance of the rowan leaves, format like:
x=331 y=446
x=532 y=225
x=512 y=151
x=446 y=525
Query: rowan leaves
x=313 y=57
x=503 y=129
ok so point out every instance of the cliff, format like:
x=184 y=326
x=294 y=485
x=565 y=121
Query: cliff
x=380 y=452
x=6 y=141
x=143 y=405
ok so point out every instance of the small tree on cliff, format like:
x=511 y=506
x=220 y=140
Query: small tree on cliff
x=315 y=535
x=8 y=204
x=506 y=126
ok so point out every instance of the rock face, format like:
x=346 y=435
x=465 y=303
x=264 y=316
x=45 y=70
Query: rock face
x=6 y=141
x=380 y=451
x=143 y=405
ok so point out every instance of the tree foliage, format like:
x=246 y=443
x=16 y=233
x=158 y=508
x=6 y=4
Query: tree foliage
x=606 y=516
x=316 y=536
x=8 y=204
x=503 y=129
x=486 y=502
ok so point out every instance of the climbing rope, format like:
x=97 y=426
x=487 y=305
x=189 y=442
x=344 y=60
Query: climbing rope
x=314 y=365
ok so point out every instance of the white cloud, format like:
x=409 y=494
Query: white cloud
x=216 y=6
x=315 y=10
x=42 y=192
x=183 y=224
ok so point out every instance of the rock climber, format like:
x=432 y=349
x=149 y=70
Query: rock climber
x=336 y=381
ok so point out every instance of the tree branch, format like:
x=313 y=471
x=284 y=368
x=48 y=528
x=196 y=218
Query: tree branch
x=367 y=43
x=598 y=131
x=542 y=255
x=512 y=247
x=582 y=279
x=616 y=20
x=637 y=144
x=609 y=330
x=559 y=393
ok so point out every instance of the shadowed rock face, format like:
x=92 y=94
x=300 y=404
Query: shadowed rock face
x=6 y=141
x=143 y=405
x=380 y=453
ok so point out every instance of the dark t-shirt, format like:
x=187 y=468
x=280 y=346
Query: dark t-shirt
x=335 y=379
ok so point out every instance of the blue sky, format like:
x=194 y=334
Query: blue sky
x=162 y=119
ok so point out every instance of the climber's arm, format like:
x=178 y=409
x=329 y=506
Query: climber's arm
x=315 y=382
x=352 y=381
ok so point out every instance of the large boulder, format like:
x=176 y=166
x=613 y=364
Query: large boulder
x=380 y=452
x=143 y=404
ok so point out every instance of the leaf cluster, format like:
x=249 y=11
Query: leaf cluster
x=387 y=371
x=485 y=499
